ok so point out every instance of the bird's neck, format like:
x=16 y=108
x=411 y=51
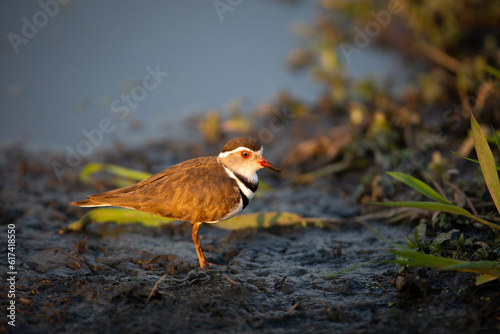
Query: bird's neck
x=247 y=182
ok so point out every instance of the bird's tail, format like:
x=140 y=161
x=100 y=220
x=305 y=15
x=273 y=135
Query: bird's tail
x=88 y=203
x=123 y=197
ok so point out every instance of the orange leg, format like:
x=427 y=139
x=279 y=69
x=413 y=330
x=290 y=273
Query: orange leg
x=201 y=256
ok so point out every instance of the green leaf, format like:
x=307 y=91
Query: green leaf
x=419 y=186
x=119 y=216
x=442 y=237
x=486 y=161
x=489 y=270
x=492 y=70
x=410 y=243
x=86 y=174
x=476 y=266
x=450 y=208
x=473 y=160
x=126 y=216
x=356 y=266
x=260 y=220
x=421 y=259
x=464 y=157
x=497 y=138
x=427 y=260
x=419 y=233
x=481 y=279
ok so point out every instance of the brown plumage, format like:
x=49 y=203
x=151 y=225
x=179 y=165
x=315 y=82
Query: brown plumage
x=174 y=192
x=201 y=190
x=247 y=142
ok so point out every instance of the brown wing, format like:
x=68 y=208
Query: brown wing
x=196 y=190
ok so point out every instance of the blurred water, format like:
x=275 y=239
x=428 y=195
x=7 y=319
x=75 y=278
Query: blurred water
x=84 y=55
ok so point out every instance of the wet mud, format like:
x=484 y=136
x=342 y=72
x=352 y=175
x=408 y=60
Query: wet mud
x=263 y=281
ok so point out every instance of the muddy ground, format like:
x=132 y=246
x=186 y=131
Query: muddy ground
x=266 y=281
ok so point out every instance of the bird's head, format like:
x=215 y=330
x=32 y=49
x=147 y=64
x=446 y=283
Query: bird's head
x=243 y=156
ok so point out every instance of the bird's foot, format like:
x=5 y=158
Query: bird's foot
x=209 y=266
x=204 y=264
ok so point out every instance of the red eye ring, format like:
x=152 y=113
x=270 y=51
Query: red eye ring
x=245 y=154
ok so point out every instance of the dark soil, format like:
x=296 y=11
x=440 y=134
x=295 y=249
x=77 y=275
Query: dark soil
x=266 y=281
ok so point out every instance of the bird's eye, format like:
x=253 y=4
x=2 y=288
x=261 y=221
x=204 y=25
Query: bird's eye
x=245 y=154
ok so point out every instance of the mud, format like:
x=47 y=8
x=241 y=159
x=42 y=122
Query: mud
x=264 y=281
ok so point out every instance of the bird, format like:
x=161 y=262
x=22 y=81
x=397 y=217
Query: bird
x=200 y=190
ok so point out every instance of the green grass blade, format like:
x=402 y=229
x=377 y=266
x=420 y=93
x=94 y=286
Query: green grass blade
x=497 y=138
x=473 y=160
x=126 y=216
x=343 y=271
x=489 y=270
x=464 y=157
x=419 y=186
x=260 y=220
x=481 y=279
x=450 y=208
x=489 y=267
x=493 y=71
x=486 y=161
x=94 y=167
x=119 y=216
x=425 y=260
